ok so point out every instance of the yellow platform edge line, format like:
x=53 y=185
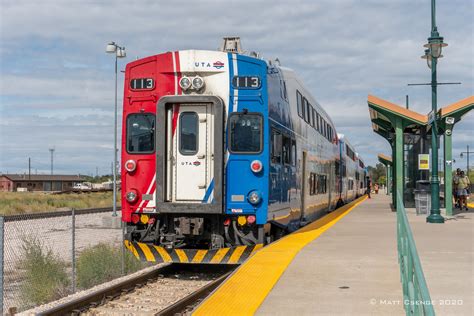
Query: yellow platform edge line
x=245 y=290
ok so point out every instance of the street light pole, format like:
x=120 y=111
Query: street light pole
x=435 y=44
x=119 y=51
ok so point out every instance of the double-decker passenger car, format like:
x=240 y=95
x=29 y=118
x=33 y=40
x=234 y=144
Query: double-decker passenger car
x=222 y=152
x=349 y=167
x=361 y=175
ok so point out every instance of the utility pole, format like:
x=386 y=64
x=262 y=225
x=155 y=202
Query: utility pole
x=406 y=102
x=29 y=168
x=52 y=154
x=467 y=156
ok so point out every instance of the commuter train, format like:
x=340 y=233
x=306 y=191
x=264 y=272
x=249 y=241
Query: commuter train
x=223 y=152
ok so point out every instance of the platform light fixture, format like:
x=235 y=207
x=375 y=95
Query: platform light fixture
x=119 y=51
x=435 y=46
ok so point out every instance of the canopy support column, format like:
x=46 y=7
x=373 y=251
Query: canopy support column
x=399 y=161
x=448 y=174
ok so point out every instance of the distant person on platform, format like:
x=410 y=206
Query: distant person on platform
x=369 y=186
x=376 y=188
x=455 y=189
x=462 y=186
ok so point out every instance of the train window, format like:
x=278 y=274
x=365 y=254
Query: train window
x=312 y=117
x=245 y=133
x=321 y=125
x=285 y=94
x=338 y=168
x=286 y=150
x=276 y=147
x=312 y=183
x=322 y=184
x=306 y=110
x=140 y=133
x=293 y=152
x=188 y=133
x=328 y=135
x=299 y=103
x=317 y=122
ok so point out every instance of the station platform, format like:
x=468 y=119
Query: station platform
x=446 y=253
x=346 y=264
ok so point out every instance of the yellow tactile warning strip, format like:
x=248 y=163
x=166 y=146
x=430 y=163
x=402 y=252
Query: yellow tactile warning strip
x=246 y=289
x=470 y=205
x=152 y=253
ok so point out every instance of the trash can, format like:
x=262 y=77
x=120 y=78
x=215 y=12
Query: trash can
x=422 y=197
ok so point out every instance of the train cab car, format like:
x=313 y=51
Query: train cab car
x=222 y=152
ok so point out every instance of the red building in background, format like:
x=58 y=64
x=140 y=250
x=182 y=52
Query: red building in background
x=13 y=182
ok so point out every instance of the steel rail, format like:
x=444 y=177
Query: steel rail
x=81 y=304
x=186 y=304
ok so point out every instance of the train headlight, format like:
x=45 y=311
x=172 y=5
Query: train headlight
x=130 y=165
x=198 y=83
x=185 y=83
x=131 y=196
x=254 y=197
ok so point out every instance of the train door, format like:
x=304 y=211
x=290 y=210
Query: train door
x=190 y=144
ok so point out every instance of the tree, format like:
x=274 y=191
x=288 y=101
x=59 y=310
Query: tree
x=377 y=172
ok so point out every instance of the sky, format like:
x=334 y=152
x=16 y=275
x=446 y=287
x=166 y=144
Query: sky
x=57 y=82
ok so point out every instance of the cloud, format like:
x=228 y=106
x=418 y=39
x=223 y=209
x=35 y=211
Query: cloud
x=57 y=84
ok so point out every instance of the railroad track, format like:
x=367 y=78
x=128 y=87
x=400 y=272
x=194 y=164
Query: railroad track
x=187 y=304
x=99 y=298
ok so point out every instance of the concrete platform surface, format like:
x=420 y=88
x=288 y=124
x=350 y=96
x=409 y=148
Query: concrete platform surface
x=351 y=269
x=446 y=252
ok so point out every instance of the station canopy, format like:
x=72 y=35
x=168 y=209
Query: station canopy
x=383 y=113
x=386 y=160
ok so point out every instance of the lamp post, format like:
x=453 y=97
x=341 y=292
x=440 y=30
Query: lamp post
x=467 y=156
x=432 y=53
x=119 y=51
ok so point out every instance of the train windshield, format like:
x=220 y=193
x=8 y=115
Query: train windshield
x=140 y=133
x=245 y=133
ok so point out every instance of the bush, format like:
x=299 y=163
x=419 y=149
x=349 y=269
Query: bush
x=46 y=277
x=102 y=263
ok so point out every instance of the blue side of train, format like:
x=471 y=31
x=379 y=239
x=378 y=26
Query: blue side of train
x=306 y=171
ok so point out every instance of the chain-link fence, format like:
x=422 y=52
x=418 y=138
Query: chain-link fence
x=46 y=256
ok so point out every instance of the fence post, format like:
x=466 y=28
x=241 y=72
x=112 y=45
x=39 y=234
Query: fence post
x=2 y=240
x=73 y=254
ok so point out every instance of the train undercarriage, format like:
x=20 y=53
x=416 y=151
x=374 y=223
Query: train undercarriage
x=206 y=231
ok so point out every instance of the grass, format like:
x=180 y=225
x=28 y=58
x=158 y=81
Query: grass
x=102 y=263
x=34 y=202
x=46 y=277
